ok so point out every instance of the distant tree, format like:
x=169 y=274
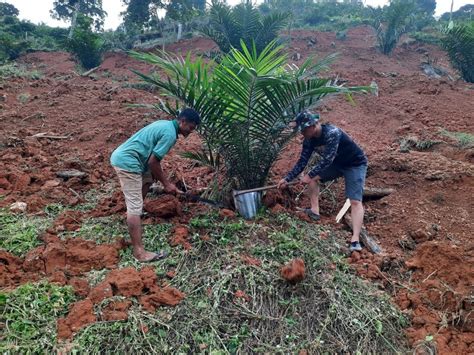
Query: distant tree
x=426 y=6
x=68 y=10
x=464 y=13
x=139 y=13
x=7 y=9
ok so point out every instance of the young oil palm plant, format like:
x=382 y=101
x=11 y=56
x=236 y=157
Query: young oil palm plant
x=391 y=22
x=459 y=43
x=246 y=102
x=229 y=25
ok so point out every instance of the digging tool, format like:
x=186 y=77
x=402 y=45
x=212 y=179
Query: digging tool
x=197 y=198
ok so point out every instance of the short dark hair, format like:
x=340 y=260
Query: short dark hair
x=190 y=115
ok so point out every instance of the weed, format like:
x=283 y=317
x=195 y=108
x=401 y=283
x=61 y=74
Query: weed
x=24 y=98
x=19 y=233
x=330 y=311
x=13 y=70
x=463 y=139
x=29 y=314
x=408 y=143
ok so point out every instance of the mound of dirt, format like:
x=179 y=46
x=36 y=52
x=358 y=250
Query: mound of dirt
x=165 y=206
x=180 y=237
x=294 y=271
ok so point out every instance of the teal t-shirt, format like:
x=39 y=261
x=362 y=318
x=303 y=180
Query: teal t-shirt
x=157 y=138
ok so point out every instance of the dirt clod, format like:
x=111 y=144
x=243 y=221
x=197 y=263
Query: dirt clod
x=294 y=271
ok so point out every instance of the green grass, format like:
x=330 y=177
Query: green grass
x=463 y=139
x=29 y=315
x=408 y=143
x=19 y=232
x=14 y=70
x=331 y=310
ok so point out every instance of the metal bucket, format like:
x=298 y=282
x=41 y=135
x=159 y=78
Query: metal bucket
x=247 y=204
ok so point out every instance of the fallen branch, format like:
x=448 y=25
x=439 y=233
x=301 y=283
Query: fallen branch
x=48 y=135
x=368 y=241
x=373 y=193
x=90 y=71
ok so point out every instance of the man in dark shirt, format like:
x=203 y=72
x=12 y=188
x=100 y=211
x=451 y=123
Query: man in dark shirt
x=340 y=157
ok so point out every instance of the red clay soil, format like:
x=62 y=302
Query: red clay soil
x=251 y=260
x=432 y=203
x=180 y=237
x=293 y=271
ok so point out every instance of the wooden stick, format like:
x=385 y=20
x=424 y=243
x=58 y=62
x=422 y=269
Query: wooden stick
x=90 y=71
x=373 y=193
x=46 y=135
x=368 y=241
x=343 y=210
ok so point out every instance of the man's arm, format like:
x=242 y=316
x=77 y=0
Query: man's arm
x=158 y=174
x=329 y=154
x=301 y=163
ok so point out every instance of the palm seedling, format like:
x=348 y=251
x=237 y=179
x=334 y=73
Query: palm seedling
x=459 y=43
x=229 y=25
x=391 y=22
x=246 y=102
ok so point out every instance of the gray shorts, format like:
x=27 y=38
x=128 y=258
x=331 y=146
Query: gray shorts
x=354 y=178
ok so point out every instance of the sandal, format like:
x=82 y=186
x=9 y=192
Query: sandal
x=311 y=214
x=158 y=256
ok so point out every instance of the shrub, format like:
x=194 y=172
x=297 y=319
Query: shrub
x=245 y=102
x=459 y=43
x=86 y=45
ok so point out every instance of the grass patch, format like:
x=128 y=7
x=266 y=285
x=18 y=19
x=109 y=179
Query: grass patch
x=463 y=139
x=14 y=70
x=29 y=315
x=332 y=310
x=19 y=232
x=413 y=143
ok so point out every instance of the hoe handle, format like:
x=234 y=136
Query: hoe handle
x=264 y=188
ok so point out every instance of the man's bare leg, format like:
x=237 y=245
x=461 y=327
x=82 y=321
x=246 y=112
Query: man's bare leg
x=357 y=214
x=314 y=196
x=135 y=229
x=145 y=189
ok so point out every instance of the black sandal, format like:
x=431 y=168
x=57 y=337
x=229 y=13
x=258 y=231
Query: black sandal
x=312 y=215
x=158 y=256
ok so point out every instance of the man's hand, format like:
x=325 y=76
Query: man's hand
x=171 y=188
x=306 y=179
x=282 y=184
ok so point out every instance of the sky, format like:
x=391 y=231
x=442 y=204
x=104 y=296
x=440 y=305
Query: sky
x=38 y=10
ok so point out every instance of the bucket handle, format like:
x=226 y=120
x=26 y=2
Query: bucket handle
x=264 y=188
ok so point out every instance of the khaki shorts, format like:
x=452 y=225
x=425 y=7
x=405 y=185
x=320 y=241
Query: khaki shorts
x=132 y=184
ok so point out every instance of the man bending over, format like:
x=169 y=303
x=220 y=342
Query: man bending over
x=340 y=157
x=138 y=163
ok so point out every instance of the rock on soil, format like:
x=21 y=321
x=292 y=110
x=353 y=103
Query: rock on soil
x=294 y=271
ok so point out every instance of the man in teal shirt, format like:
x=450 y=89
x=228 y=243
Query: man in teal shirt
x=137 y=163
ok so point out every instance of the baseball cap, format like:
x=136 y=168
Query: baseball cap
x=305 y=119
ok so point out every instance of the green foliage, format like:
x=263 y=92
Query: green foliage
x=465 y=13
x=10 y=47
x=7 y=9
x=463 y=139
x=67 y=9
x=13 y=70
x=245 y=103
x=29 y=314
x=391 y=22
x=86 y=45
x=138 y=14
x=459 y=43
x=19 y=233
x=229 y=26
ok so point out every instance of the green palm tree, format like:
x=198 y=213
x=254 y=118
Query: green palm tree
x=459 y=43
x=229 y=25
x=246 y=103
x=391 y=22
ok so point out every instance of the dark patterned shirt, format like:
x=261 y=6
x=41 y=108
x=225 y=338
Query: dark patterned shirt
x=339 y=149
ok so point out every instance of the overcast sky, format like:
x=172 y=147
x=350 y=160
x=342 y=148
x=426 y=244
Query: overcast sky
x=38 y=10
